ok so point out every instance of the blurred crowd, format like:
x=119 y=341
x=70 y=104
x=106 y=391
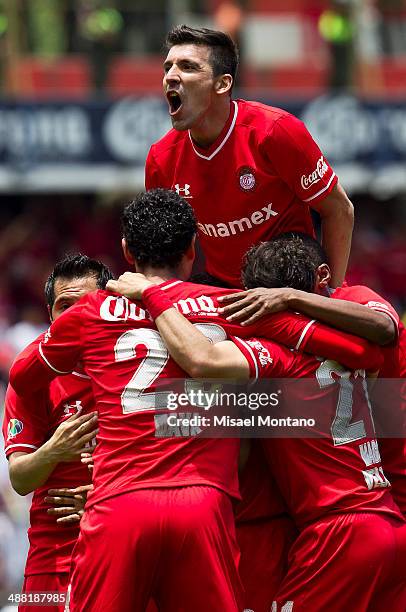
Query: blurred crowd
x=353 y=37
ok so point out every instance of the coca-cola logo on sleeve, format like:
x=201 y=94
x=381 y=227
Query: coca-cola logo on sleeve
x=308 y=180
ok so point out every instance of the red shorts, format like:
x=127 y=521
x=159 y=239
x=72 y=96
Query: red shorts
x=264 y=545
x=176 y=545
x=43 y=583
x=347 y=562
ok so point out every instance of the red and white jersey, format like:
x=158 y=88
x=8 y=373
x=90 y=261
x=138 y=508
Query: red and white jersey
x=125 y=357
x=336 y=473
x=386 y=397
x=254 y=182
x=364 y=295
x=28 y=423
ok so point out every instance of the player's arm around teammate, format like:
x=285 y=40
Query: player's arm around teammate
x=276 y=284
x=249 y=306
x=337 y=222
x=193 y=351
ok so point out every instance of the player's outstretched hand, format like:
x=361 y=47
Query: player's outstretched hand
x=68 y=505
x=130 y=284
x=247 y=307
x=72 y=437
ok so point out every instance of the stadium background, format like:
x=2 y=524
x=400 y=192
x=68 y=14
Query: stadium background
x=80 y=104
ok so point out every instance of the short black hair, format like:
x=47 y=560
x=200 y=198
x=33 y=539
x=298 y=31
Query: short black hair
x=224 y=56
x=158 y=227
x=288 y=260
x=76 y=265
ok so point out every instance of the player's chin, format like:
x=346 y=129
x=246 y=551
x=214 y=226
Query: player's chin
x=180 y=124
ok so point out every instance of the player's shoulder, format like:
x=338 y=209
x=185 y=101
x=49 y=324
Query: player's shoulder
x=185 y=289
x=262 y=117
x=355 y=292
x=171 y=140
x=14 y=403
x=362 y=294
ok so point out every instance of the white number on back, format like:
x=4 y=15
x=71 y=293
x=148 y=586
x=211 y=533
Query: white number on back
x=342 y=430
x=134 y=398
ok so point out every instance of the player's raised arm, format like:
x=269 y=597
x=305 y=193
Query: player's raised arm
x=302 y=165
x=337 y=223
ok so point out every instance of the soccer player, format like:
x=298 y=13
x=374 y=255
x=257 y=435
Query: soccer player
x=45 y=433
x=351 y=548
x=292 y=272
x=250 y=171
x=169 y=497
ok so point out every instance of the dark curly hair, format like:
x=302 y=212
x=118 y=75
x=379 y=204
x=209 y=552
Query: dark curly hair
x=72 y=266
x=158 y=227
x=224 y=56
x=288 y=260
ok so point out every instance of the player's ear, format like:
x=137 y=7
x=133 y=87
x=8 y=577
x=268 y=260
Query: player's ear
x=323 y=276
x=50 y=313
x=128 y=256
x=223 y=84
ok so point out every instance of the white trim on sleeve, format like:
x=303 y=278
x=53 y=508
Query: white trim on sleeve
x=385 y=310
x=48 y=364
x=303 y=334
x=25 y=445
x=251 y=352
x=321 y=190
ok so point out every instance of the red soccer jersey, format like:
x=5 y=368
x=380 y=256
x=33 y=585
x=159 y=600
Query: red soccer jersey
x=27 y=424
x=254 y=182
x=338 y=473
x=261 y=498
x=386 y=397
x=125 y=357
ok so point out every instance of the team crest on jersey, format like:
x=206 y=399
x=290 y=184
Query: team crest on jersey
x=246 y=178
x=14 y=428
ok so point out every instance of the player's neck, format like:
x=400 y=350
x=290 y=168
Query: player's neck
x=209 y=128
x=159 y=275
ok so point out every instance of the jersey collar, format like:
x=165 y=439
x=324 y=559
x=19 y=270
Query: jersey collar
x=221 y=140
x=168 y=284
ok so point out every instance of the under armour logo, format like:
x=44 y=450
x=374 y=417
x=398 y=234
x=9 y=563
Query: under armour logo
x=183 y=191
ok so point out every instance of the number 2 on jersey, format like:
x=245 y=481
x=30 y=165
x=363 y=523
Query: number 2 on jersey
x=342 y=430
x=134 y=398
